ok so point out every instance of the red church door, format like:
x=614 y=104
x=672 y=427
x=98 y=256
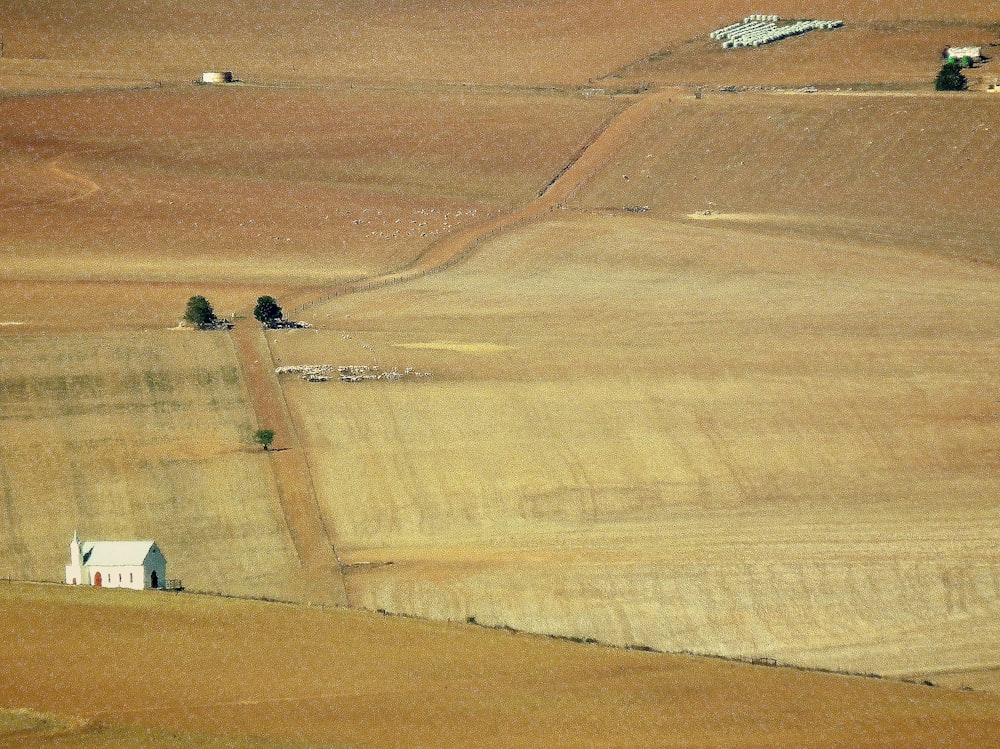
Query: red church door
x=97 y=579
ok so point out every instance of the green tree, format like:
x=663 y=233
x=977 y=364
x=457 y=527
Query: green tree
x=264 y=437
x=200 y=313
x=950 y=77
x=267 y=311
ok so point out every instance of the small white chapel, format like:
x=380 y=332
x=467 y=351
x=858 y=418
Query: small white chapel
x=116 y=564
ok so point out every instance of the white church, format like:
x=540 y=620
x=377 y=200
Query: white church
x=116 y=564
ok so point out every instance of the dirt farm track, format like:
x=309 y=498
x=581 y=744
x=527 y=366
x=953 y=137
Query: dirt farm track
x=675 y=349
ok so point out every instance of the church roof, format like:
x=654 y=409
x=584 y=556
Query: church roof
x=116 y=553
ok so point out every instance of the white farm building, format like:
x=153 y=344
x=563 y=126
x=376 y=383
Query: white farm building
x=957 y=53
x=116 y=564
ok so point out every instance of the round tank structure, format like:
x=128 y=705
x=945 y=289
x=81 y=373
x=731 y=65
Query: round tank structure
x=224 y=76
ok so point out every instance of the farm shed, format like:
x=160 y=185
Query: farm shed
x=957 y=53
x=116 y=564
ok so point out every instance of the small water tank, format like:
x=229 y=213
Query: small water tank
x=224 y=76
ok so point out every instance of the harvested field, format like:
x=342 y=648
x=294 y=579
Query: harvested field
x=734 y=394
x=183 y=187
x=695 y=438
x=907 y=170
x=137 y=437
x=528 y=42
x=291 y=676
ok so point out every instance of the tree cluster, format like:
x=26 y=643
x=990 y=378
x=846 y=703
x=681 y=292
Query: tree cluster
x=199 y=313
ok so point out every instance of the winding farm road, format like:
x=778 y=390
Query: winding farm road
x=322 y=572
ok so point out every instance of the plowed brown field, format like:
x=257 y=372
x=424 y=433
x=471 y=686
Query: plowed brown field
x=247 y=191
x=491 y=41
x=288 y=674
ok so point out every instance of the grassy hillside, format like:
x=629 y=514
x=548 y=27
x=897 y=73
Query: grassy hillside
x=689 y=437
x=235 y=673
x=135 y=436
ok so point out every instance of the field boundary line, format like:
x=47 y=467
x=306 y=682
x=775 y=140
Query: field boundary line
x=448 y=251
x=306 y=521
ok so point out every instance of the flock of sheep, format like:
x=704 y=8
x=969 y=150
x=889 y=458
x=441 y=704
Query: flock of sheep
x=350 y=373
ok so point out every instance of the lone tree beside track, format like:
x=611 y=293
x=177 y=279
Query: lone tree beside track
x=950 y=77
x=264 y=437
x=267 y=311
x=200 y=314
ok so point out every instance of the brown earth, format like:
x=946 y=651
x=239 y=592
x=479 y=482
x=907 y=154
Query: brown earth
x=898 y=169
x=115 y=189
x=291 y=674
x=321 y=572
x=528 y=42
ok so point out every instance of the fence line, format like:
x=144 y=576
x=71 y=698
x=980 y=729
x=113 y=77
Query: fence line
x=359 y=284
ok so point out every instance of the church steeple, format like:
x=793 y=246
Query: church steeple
x=74 y=551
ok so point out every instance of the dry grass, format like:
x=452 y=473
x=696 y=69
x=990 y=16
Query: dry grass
x=284 y=674
x=137 y=437
x=685 y=436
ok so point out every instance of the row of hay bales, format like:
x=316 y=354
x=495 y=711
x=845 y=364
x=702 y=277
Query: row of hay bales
x=758 y=29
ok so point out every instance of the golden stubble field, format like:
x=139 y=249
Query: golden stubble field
x=235 y=673
x=685 y=436
x=769 y=430
x=137 y=436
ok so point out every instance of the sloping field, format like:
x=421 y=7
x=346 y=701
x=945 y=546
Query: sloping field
x=283 y=674
x=769 y=430
x=247 y=191
x=910 y=170
x=491 y=41
x=891 y=44
x=484 y=41
x=685 y=436
x=129 y=436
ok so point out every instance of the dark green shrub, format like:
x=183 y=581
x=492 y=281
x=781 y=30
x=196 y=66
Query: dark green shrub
x=950 y=77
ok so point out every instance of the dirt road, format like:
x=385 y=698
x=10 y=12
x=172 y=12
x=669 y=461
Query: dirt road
x=313 y=541
x=322 y=580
